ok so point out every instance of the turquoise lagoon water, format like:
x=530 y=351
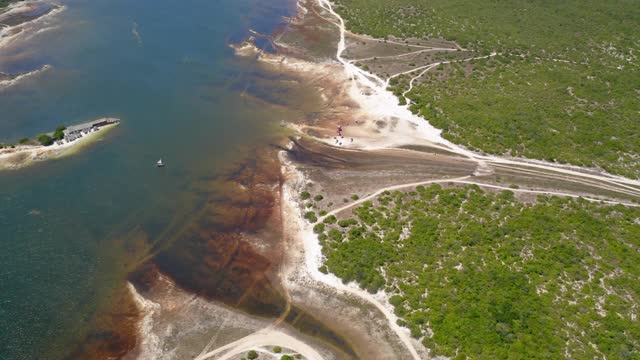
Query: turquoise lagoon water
x=163 y=67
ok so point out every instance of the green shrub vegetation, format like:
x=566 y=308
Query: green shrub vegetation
x=347 y=222
x=331 y=219
x=318 y=198
x=45 y=140
x=277 y=349
x=563 y=88
x=286 y=357
x=24 y=140
x=252 y=354
x=355 y=197
x=481 y=275
x=311 y=216
x=305 y=195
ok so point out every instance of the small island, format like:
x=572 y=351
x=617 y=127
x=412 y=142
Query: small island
x=63 y=141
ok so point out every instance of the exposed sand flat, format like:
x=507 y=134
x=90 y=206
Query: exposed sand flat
x=10 y=80
x=180 y=325
x=24 y=19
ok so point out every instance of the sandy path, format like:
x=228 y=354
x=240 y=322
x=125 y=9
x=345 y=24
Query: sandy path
x=436 y=64
x=545 y=192
x=265 y=337
x=569 y=170
x=404 y=94
x=604 y=185
x=463 y=180
x=364 y=37
x=390 y=188
x=402 y=55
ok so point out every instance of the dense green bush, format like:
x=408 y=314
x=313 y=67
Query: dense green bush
x=45 y=140
x=311 y=216
x=331 y=219
x=305 y=195
x=59 y=133
x=347 y=222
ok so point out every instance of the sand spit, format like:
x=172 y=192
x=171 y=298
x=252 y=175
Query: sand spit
x=25 y=155
x=22 y=21
x=14 y=79
x=25 y=19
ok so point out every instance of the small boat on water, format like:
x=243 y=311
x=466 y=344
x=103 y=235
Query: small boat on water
x=160 y=163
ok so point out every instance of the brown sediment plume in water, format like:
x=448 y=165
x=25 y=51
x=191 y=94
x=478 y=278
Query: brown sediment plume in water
x=214 y=257
x=232 y=251
x=228 y=251
x=114 y=332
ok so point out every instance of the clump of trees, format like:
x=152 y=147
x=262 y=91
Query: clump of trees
x=311 y=216
x=59 y=133
x=45 y=140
